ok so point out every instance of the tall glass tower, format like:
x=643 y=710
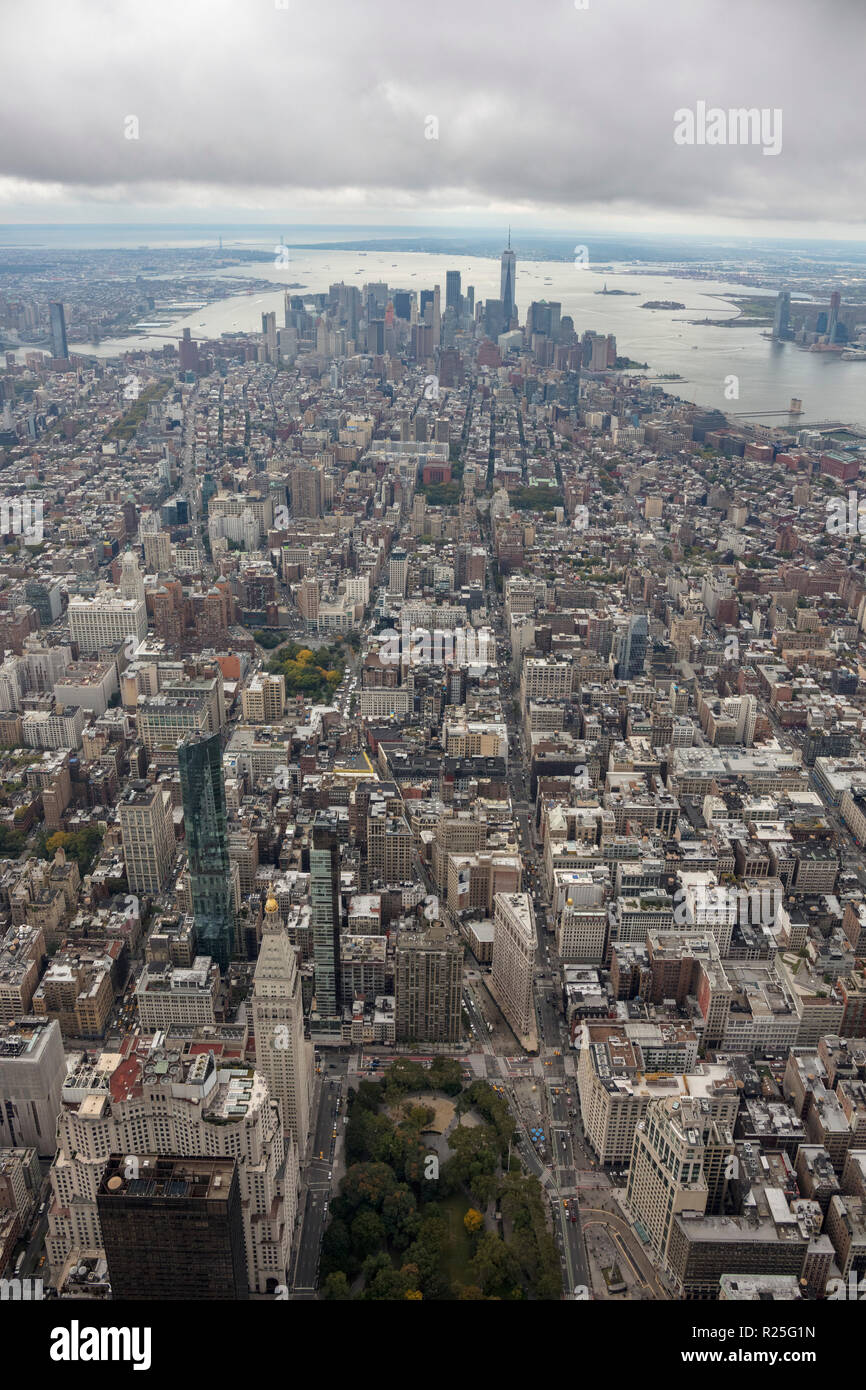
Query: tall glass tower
x=634 y=647
x=59 y=346
x=204 y=810
x=325 y=894
x=507 y=281
x=452 y=290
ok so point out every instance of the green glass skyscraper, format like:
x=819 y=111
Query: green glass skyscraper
x=325 y=894
x=204 y=811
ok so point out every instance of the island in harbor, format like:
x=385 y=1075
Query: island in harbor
x=663 y=304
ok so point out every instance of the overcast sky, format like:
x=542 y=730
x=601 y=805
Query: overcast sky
x=549 y=116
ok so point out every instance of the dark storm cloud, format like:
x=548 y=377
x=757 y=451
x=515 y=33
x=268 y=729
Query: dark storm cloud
x=537 y=103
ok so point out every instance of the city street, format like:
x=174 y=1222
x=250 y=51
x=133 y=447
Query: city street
x=318 y=1183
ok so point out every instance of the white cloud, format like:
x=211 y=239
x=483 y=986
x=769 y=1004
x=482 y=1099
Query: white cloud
x=320 y=109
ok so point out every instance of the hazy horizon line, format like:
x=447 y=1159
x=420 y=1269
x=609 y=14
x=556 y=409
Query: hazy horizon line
x=410 y=231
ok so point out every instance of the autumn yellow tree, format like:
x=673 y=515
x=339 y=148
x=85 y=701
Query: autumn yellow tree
x=473 y=1221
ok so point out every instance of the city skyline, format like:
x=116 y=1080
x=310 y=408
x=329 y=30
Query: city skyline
x=433 y=672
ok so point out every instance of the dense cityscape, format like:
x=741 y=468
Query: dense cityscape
x=432 y=715
x=432 y=788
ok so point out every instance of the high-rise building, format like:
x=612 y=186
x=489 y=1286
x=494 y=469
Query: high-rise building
x=307 y=598
x=188 y=353
x=282 y=1055
x=598 y=351
x=545 y=679
x=306 y=490
x=172 y=1228
x=403 y=304
x=171 y=1100
x=264 y=699
x=269 y=333
x=398 y=570
x=450 y=367
x=622 y=1071
x=59 y=347
x=514 y=947
x=771 y=1239
x=542 y=317
x=147 y=830
x=632 y=647
x=390 y=845
x=32 y=1072
x=507 y=283
x=105 y=621
x=495 y=320
x=452 y=291
x=44 y=592
x=131 y=578
x=157 y=551
x=164 y=719
x=422 y=341
x=21 y=953
x=678 y=1164
x=743 y=709
x=325 y=895
x=376 y=336
x=210 y=877
x=345 y=304
x=375 y=299
x=169 y=994
x=427 y=981
x=833 y=320
x=20 y=1181
x=781 y=316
